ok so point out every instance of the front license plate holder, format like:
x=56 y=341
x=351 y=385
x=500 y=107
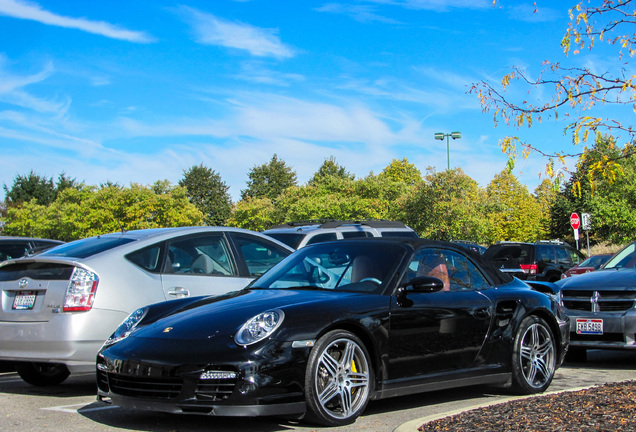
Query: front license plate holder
x=589 y=326
x=24 y=300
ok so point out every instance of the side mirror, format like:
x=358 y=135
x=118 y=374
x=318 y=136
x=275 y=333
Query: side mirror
x=424 y=284
x=421 y=284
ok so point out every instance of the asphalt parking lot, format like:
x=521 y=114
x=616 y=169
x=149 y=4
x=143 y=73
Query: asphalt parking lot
x=72 y=405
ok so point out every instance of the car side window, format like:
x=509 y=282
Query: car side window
x=545 y=254
x=259 y=254
x=202 y=255
x=320 y=238
x=574 y=257
x=455 y=270
x=355 y=234
x=463 y=274
x=430 y=262
x=147 y=258
x=563 y=257
x=10 y=250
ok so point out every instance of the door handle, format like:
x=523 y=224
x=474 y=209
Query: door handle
x=482 y=313
x=179 y=292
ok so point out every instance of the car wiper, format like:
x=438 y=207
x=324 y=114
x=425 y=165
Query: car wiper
x=308 y=287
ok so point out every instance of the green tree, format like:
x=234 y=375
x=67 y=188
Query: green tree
x=333 y=197
x=330 y=168
x=34 y=186
x=512 y=212
x=65 y=182
x=269 y=180
x=209 y=193
x=447 y=205
x=88 y=211
x=256 y=214
x=545 y=194
x=576 y=93
x=402 y=171
x=28 y=187
x=610 y=201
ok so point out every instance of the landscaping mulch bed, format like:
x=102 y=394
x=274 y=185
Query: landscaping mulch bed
x=611 y=407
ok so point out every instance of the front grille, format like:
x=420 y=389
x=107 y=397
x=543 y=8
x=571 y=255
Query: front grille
x=152 y=388
x=215 y=390
x=599 y=301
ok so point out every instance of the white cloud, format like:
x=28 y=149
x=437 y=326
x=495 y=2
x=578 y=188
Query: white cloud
x=9 y=82
x=257 y=73
x=362 y=13
x=267 y=117
x=436 y=5
x=12 y=92
x=443 y=92
x=211 y=30
x=32 y=11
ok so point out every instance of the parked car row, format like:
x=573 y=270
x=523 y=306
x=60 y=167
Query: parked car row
x=224 y=321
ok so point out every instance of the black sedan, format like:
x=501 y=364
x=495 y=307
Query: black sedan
x=333 y=326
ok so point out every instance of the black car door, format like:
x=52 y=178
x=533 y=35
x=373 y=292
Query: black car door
x=439 y=331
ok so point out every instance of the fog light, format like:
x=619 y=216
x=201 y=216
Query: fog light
x=217 y=375
x=247 y=387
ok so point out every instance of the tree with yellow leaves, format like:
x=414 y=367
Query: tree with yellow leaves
x=575 y=93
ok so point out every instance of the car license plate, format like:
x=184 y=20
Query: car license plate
x=24 y=300
x=589 y=326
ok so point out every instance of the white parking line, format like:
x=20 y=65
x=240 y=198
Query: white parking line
x=9 y=378
x=73 y=409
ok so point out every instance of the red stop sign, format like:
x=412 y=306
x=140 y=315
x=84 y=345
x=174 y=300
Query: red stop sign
x=575 y=220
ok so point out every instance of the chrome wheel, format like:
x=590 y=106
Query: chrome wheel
x=534 y=362
x=340 y=379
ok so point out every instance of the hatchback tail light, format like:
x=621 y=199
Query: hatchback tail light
x=529 y=268
x=81 y=290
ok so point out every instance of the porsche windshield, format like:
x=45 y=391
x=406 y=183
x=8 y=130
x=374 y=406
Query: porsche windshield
x=343 y=266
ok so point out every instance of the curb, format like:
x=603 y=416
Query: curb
x=412 y=425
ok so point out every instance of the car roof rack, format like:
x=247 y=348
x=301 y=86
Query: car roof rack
x=374 y=223
x=333 y=223
x=555 y=241
x=299 y=223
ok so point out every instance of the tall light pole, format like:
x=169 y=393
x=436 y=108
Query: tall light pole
x=453 y=135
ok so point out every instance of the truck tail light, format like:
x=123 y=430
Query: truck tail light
x=81 y=290
x=529 y=268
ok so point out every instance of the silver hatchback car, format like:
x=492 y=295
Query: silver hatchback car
x=60 y=306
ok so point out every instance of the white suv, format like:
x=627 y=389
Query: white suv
x=303 y=233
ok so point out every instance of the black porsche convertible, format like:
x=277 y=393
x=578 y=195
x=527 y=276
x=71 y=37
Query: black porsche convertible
x=333 y=326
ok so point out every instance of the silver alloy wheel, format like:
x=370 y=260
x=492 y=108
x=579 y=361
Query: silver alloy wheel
x=342 y=378
x=538 y=359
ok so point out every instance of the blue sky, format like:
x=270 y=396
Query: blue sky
x=139 y=91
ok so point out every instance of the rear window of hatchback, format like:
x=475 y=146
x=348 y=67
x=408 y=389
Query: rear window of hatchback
x=87 y=247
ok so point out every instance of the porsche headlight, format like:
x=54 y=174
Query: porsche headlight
x=126 y=327
x=259 y=327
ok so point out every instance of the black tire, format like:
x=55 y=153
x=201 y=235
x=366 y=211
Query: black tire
x=576 y=355
x=534 y=357
x=339 y=379
x=42 y=374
